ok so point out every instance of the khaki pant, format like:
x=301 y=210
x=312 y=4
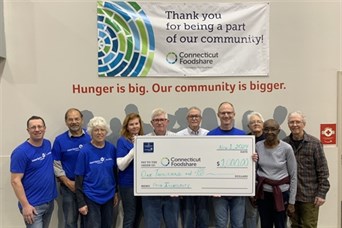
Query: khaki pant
x=306 y=215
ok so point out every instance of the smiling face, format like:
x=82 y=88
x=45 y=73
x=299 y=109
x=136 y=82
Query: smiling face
x=98 y=135
x=296 y=125
x=133 y=126
x=226 y=115
x=194 y=119
x=74 y=122
x=271 y=130
x=255 y=125
x=159 y=123
x=36 y=130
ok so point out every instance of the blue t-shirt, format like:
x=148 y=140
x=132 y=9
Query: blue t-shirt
x=97 y=166
x=123 y=148
x=66 y=149
x=36 y=163
x=233 y=131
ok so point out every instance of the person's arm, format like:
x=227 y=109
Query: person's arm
x=58 y=168
x=116 y=199
x=292 y=171
x=60 y=174
x=28 y=211
x=123 y=162
x=116 y=177
x=57 y=164
x=82 y=205
x=322 y=171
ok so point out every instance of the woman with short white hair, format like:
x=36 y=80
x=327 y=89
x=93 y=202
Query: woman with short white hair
x=96 y=177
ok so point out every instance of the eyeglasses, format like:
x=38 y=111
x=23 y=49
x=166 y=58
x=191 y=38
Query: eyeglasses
x=158 y=120
x=270 y=129
x=295 y=122
x=39 y=127
x=194 y=116
x=226 y=113
x=255 y=122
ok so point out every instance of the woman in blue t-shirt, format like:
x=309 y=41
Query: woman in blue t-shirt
x=95 y=177
x=132 y=126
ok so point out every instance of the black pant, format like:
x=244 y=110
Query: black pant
x=269 y=216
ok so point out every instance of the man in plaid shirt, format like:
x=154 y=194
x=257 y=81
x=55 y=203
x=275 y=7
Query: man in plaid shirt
x=312 y=171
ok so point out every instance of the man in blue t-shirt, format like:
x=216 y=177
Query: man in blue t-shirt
x=65 y=149
x=225 y=205
x=32 y=175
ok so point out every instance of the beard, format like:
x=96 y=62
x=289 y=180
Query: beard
x=75 y=128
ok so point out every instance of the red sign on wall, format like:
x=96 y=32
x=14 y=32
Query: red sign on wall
x=328 y=133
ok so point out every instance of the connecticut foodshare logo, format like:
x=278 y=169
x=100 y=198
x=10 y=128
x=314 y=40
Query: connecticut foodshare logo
x=192 y=58
x=180 y=162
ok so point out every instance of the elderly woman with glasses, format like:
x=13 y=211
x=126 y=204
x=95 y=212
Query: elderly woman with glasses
x=255 y=126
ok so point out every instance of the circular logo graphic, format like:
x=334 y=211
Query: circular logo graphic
x=43 y=155
x=165 y=161
x=102 y=159
x=171 y=57
x=126 y=43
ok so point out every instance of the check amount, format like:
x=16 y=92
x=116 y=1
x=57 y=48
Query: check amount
x=233 y=163
x=203 y=165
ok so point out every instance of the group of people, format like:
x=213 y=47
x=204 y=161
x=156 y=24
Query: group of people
x=292 y=175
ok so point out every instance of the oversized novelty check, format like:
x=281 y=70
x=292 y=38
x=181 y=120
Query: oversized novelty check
x=194 y=165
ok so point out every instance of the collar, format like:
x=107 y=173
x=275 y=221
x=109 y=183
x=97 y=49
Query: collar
x=192 y=132
x=305 y=137
x=71 y=136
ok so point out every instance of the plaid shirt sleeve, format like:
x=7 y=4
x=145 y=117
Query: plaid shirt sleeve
x=312 y=169
x=322 y=171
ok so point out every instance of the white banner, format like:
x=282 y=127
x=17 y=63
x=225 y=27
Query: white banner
x=183 y=39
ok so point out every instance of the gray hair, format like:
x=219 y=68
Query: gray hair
x=299 y=113
x=158 y=112
x=249 y=116
x=194 y=108
x=97 y=121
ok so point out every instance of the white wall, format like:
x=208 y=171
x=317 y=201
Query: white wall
x=2 y=34
x=51 y=45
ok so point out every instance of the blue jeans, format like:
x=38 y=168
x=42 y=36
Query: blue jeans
x=70 y=208
x=43 y=216
x=268 y=214
x=99 y=215
x=233 y=205
x=252 y=215
x=194 y=211
x=157 y=208
x=131 y=207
